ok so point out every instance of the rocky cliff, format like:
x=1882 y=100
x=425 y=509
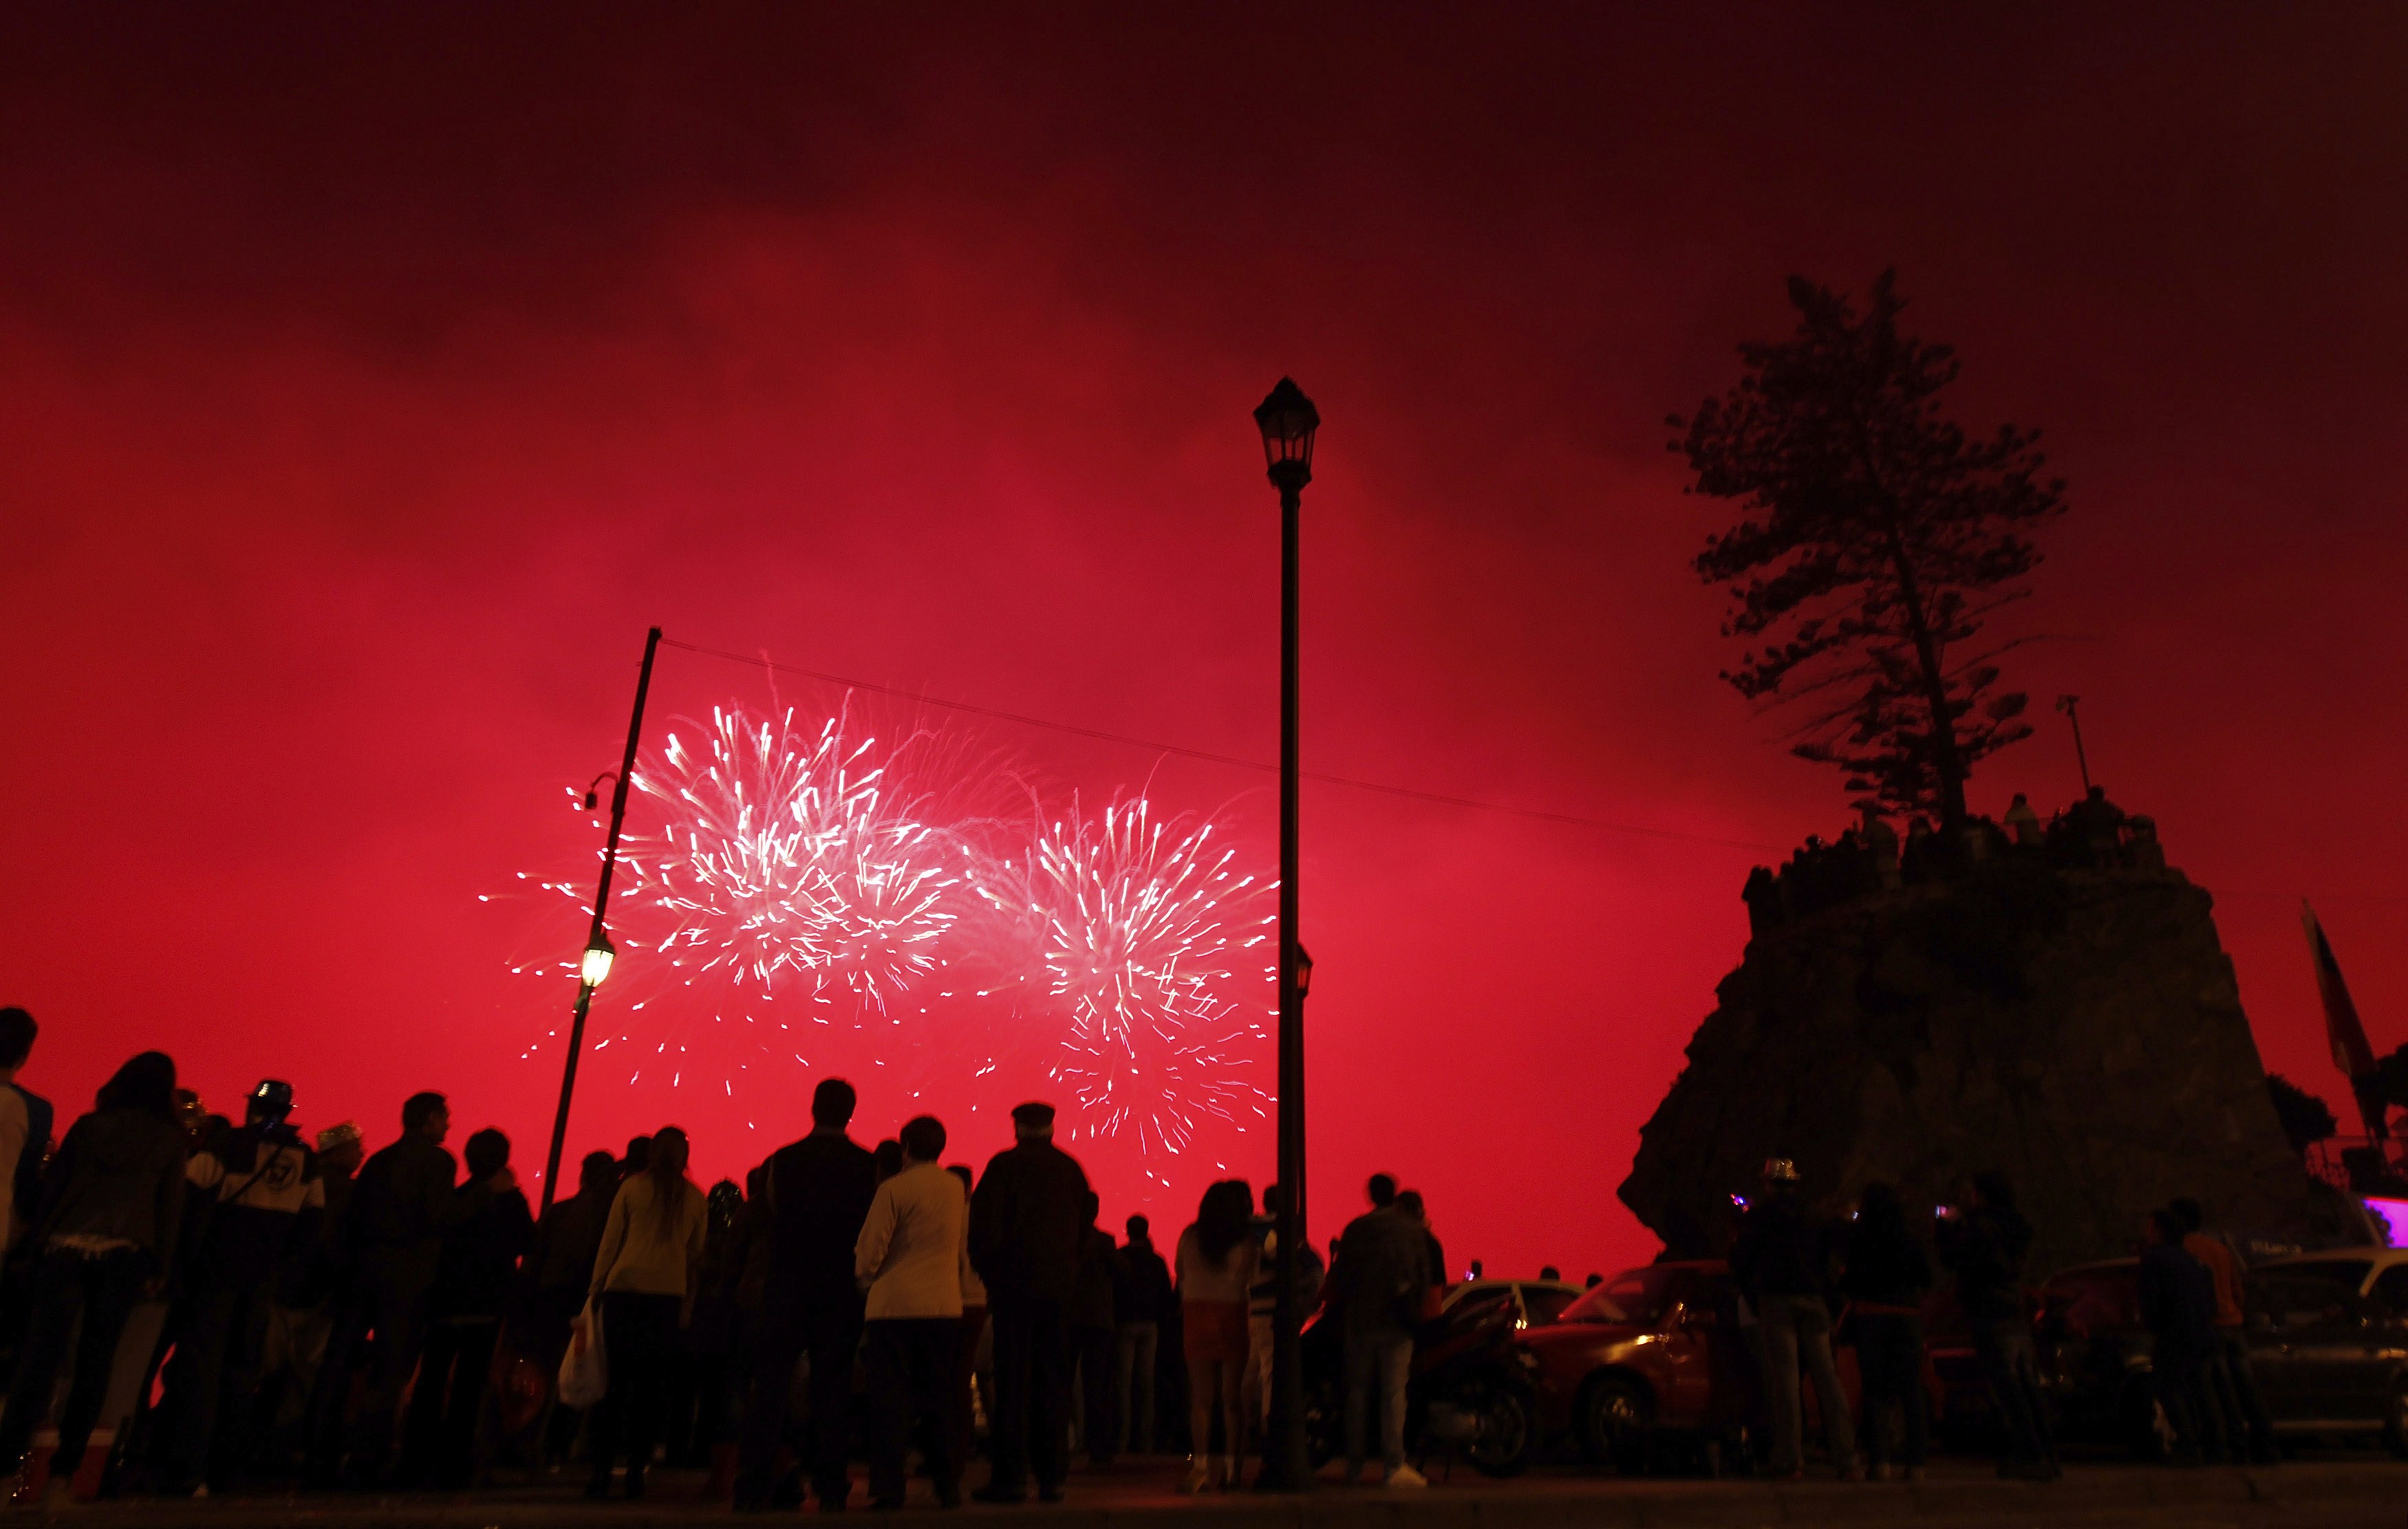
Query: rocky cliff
x=2079 y=1029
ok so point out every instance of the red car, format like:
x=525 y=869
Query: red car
x=1656 y=1354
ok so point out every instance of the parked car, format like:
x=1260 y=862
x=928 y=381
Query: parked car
x=1652 y=1356
x=1535 y=1302
x=2327 y=1345
x=2328 y=1342
x=2094 y=1357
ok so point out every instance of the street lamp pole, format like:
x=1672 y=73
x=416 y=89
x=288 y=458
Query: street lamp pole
x=594 y=963
x=1288 y=422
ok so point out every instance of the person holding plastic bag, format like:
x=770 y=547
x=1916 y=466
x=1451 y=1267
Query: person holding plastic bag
x=643 y=1289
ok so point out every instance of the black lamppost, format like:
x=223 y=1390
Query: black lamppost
x=594 y=966
x=1288 y=421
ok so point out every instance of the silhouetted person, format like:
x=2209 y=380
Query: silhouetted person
x=1886 y=1279
x=110 y=1207
x=1984 y=1247
x=639 y=1153
x=644 y=1281
x=2142 y=851
x=392 y=1242
x=259 y=1202
x=714 y=1336
x=1262 y=1306
x=1780 y=1261
x=965 y=1366
x=1881 y=849
x=24 y=1126
x=1414 y=1208
x=2177 y=1299
x=888 y=1157
x=1095 y=1336
x=561 y=1267
x=1548 y=1271
x=2230 y=1373
x=1919 y=861
x=1216 y=1261
x=1024 y=1223
x=1139 y=1306
x=910 y=1255
x=818 y=1191
x=2024 y=823
x=1378 y=1281
x=480 y=1267
x=1593 y=1281
x=1762 y=895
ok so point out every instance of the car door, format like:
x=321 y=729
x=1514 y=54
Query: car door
x=2300 y=1327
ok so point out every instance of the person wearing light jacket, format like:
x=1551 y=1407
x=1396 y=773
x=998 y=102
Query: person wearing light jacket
x=644 y=1281
x=909 y=1258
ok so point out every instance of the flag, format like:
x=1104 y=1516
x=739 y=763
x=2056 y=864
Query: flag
x=2351 y=1053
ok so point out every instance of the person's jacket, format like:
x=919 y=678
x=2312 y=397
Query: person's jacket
x=2177 y=1302
x=400 y=1207
x=568 y=1237
x=256 y=1201
x=818 y=1191
x=480 y=1255
x=40 y=1120
x=1382 y=1269
x=1025 y=1217
x=910 y=1252
x=1095 y=1308
x=1886 y=1266
x=1780 y=1250
x=119 y=1175
x=1142 y=1291
x=1984 y=1249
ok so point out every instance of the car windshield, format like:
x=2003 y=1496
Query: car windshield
x=1638 y=1297
x=1544 y=1304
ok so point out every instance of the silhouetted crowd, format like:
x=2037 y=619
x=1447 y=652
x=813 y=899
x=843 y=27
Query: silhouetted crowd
x=1795 y=1269
x=218 y=1303
x=1869 y=858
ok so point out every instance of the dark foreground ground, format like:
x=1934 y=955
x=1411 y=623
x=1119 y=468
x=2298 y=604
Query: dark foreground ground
x=2335 y=1492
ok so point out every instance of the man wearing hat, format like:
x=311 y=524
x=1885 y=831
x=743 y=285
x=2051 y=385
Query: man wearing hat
x=1026 y=1219
x=1783 y=1262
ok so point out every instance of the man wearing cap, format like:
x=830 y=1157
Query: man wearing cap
x=257 y=1201
x=1783 y=1262
x=1026 y=1219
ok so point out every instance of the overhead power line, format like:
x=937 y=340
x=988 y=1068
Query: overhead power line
x=1207 y=756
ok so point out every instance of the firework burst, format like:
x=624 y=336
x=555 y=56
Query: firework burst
x=1146 y=935
x=789 y=859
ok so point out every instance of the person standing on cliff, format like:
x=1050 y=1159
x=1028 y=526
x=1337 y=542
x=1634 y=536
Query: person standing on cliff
x=2024 y=823
x=1984 y=1247
x=1783 y=1262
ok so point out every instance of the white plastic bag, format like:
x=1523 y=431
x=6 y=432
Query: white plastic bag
x=584 y=1373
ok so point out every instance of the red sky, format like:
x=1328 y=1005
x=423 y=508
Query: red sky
x=369 y=382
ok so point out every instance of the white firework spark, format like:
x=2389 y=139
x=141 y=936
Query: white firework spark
x=1144 y=931
x=792 y=857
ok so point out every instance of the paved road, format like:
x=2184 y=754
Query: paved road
x=2339 y=1492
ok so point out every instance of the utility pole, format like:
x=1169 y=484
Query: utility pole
x=2069 y=705
x=596 y=963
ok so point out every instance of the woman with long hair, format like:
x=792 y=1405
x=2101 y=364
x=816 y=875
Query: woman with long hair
x=110 y=1204
x=1216 y=1262
x=645 y=1278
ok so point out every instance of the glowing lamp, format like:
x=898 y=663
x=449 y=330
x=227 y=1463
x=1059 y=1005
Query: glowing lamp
x=1288 y=420
x=596 y=967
